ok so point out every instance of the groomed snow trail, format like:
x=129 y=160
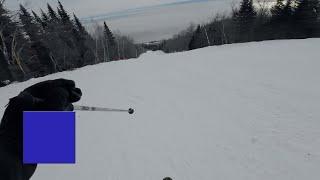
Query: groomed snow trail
x=234 y=112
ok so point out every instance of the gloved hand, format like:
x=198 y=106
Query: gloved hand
x=53 y=95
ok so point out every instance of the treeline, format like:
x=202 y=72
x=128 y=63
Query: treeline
x=110 y=46
x=33 y=45
x=286 y=19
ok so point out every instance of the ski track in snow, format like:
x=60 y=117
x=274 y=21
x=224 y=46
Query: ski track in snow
x=244 y=111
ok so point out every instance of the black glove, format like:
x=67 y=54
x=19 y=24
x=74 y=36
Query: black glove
x=53 y=95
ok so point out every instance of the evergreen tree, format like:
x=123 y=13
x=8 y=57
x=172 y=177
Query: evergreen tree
x=11 y=47
x=84 y=41
x=246 y=12
x=38 y=20
x=6 y=25
x=109 y=35
x=31 y=29
x=281 y=24
x=244 y=18
x=45 y=18
x=64 y=16
x=277 y=9
x=110 y=44
x=198 y=39
x=287 y=11
x=306 y=17
x=52 y=14
x=46 y=59
x=79 y=25
x=66 y=26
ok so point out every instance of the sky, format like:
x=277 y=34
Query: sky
x=86 y=8
x=143 y=20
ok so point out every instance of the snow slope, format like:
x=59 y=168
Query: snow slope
x=235 y=112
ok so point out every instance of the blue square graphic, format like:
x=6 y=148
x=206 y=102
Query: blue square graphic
x=49 y=137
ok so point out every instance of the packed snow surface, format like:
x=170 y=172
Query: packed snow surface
x=234 y=112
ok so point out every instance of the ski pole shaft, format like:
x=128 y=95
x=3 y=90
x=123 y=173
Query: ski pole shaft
x=89 y=108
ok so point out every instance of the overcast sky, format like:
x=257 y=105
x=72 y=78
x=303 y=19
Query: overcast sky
x=86 y=8
x=143 y=20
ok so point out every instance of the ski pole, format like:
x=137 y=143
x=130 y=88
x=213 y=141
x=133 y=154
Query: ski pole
x=89 y=108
